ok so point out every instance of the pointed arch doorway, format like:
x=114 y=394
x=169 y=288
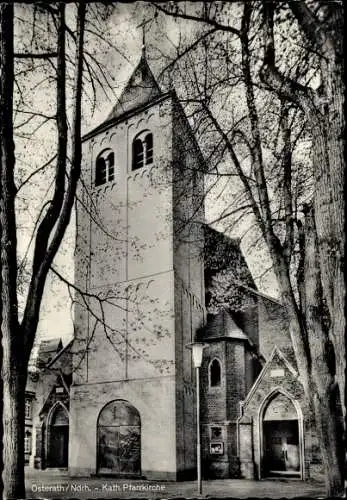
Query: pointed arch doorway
x=281 y=432
x=58 y=437
x=119 y=439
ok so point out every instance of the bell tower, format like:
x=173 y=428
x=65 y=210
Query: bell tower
x=139 y=258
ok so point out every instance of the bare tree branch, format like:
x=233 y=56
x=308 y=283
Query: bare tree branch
x=32 y=55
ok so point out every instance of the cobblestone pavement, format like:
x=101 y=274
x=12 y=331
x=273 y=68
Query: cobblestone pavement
x=57 y=484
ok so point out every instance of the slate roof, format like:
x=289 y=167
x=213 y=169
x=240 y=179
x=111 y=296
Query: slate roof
x=140 y=89
x=221 y=326
x=48 y=349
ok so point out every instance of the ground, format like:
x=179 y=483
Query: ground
x=57 y=484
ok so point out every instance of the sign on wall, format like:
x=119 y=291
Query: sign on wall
x=216 y=448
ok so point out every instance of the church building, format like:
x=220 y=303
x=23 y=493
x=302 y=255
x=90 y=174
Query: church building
x=151 y=270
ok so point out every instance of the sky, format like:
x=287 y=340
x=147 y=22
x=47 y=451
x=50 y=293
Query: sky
x=118 y=57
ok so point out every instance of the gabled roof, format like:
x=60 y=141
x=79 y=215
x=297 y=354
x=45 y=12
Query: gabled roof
x=65 y=349
x=140 y=89
x=47 y=350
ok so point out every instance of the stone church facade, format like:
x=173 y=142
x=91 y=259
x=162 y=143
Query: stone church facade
x=150 y=268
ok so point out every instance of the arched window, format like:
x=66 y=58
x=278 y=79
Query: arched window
x=27 y=408
x=215 y=373
x=27 y=442
x=104 y=167
x=142 y=153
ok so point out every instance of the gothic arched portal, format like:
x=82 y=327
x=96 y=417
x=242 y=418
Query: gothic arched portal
x=58 y=437
x=281 y=438
x=119 y=439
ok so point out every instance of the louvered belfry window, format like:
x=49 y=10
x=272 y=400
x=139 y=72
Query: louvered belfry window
x=142 y=150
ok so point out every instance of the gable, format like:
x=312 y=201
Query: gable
x=278 y=372
x=58 y=392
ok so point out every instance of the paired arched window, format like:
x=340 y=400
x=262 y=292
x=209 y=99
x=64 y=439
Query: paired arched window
x=215 y=374
x=104 y=167
x=142 y=150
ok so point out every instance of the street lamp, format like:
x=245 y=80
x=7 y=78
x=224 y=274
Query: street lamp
x=197 y=349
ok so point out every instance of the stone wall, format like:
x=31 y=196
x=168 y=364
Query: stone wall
x=277 y=380
x=154 y=399
x=148 y=277
x=46 y=396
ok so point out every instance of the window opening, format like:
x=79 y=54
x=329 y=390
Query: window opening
x=142 y=150
x=215 y=373
x=104 y=168
x=27 y=442
x=27 y=408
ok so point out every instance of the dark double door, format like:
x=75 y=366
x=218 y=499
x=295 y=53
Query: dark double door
x=59 y=446
x=281 y=447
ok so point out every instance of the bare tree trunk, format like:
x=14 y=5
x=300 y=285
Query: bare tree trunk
x=330 y=212
x=13 y=376
x=324 y=114
x=17 y=339
x=13 y=422
x=323 y=386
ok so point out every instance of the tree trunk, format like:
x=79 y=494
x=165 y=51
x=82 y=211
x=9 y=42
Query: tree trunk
x=324 y=114
x=12 y=366
x=323 y=386
x=13 y=423
x=329 y=165
x=309 y=340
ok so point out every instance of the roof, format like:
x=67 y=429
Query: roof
x=66 y=349
x=48 y=349
x=110 y=122
x=224 y=253
x=221 y=326
x=260 y=294
x=140 y=89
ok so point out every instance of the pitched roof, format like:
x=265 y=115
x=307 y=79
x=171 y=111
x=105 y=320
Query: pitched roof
x=66 y=349
x=140 y=89
x=48 y=349
x=221 y=326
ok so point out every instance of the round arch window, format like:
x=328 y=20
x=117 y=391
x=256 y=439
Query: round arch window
x=119 y=439
x=142 y=150
x=104 y=167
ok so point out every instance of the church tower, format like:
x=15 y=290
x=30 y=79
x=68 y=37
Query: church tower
x=139 y=257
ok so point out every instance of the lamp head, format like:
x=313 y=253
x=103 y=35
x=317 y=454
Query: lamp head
x=197 y=350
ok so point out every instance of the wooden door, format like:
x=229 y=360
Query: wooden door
x=119 y=439
x=281 y=447
x=59 y=439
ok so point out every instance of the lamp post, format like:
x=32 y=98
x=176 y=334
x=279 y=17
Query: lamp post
x=197 y=349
